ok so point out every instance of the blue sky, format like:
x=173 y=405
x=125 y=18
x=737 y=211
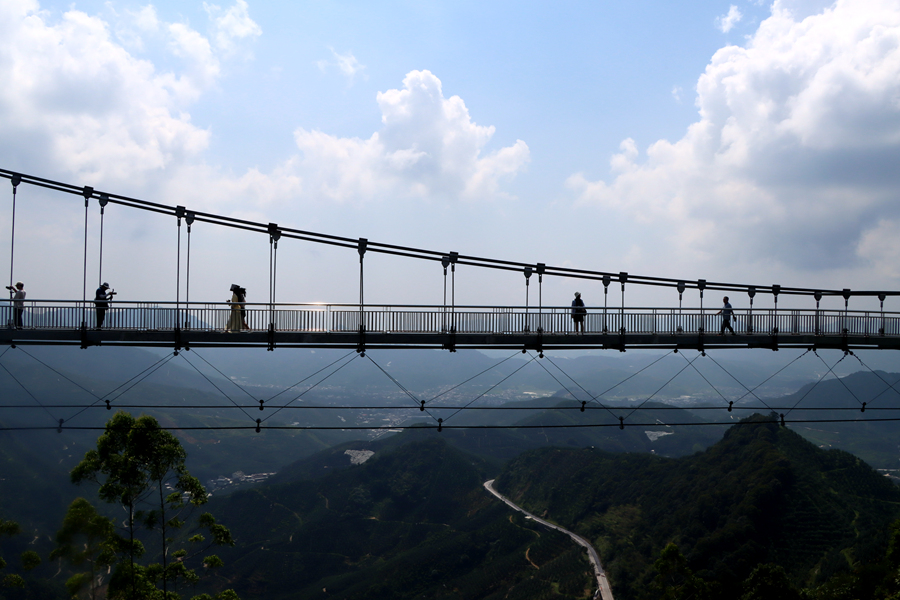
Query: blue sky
x=744 y=142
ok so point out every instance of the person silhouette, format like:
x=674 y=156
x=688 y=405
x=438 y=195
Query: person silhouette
x=17 y=295
x=578 y=312
x=726 y=313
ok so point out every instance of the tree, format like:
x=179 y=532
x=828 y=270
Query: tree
x=769 y=582
x=30 y=559
x=86 y=538
x=142 y=467
x=675 y=580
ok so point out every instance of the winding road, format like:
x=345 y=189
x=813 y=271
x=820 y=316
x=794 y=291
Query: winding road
x=603 y=590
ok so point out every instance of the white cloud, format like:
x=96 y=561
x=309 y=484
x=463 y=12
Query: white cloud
x=232 y=27
x=727 y=22
x=79 y=100
x=676 y=93
x=346 y=63
x=428 y=147
x=792 y=164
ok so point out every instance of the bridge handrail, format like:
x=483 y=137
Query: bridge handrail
x=411 y=319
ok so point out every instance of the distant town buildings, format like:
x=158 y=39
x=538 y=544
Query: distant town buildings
x=238 y=478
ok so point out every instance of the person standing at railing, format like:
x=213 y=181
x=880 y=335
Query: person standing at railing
x=578 y=312
x=727 y=312
x=237 y=318
x=17 y=295
x=101 y=301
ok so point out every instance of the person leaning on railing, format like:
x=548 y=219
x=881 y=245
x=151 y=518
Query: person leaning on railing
x=17 y=295
x=101 y=301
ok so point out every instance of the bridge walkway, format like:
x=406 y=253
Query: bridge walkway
x=182 y=325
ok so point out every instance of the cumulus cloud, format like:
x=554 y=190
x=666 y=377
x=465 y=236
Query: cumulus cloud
x=428 y=147
x=78 y=99
x=793 y=160
x=727 y=22
x=232 y=27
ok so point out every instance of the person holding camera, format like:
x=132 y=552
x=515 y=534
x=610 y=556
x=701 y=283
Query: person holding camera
x=101 y=301
x=17 y=295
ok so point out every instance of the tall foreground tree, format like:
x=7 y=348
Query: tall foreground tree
x=86 y=539
x=140 y=466
x=30 y=558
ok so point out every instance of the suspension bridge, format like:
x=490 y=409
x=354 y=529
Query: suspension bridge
x=183 y=323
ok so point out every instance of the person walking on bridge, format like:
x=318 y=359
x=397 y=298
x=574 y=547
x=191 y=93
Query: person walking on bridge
x=727 y=312
x=578 y=312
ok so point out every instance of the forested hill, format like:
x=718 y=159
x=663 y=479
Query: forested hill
x=413 y=521
x=761 y=495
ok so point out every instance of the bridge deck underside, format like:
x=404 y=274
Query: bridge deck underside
x=527 y=341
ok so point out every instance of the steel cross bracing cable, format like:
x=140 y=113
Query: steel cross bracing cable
x=671 y=379
x=562 y=407
x=352 y=356
x=766 y=380
x=384 y=248
x=108 y=397
x=593 y=398
x=875 y=373
x=484 y=393
x=135 y=380
x=419 y=403
x=212 y=383
x=419 y=426
x=708 y=382
x=32 y=396
x=818 y=381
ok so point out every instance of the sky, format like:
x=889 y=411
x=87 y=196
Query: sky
x=752 y=143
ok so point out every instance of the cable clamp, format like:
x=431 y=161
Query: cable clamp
x=258 y=421
x=108 y=407
x=261 y=405
x=621 y=422
x=59 y=429
x=440 y=425
x=583 y=402
x=863 y=409
x=730 y=404
x=422 y=407
x=782 y=419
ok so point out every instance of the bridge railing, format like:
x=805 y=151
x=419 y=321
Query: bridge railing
x=347 y=318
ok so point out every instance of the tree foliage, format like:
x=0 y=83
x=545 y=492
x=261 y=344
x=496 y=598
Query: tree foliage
x=86 y=539
x=141 y=467
x=29 y=559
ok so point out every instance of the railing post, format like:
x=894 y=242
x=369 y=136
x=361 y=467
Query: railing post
x=179 y=213
x=606 y=281
x=881 y=297
x=361 y=248
x=189 y=219
x=678 y=327
x=623 y=277
x=751 y=291
x=846 y=294
x=776 y=289
x=16 y=180
x=701 y=285
x=87 y=192
x=540 y=271
x=445 y=262
x=818 y=296
x=454 y=256
x=274 y=236
x=527 y=281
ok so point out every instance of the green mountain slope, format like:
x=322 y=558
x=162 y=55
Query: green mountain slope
x=762 y=494
x=412 y=521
